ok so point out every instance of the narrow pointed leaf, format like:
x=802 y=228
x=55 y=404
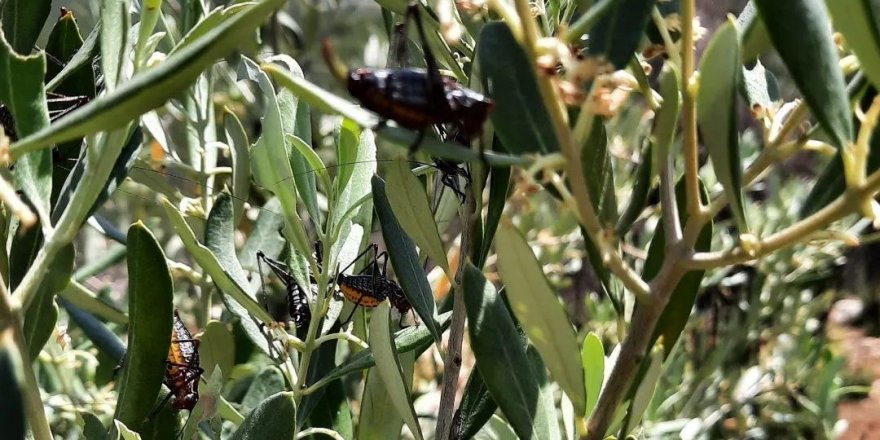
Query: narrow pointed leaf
x=593 y=359
x=209 y=262
x=115 y=24
x=716 y=114
x=271 y=164
x=238 y=143
x=503 y=365
x=520 y=119
x=41 y=317
x=23 y=21
x=476 y=407
x=405 y=260
x=149 y=334
x=598 y=173
x=540 y=313
x=389 y=367
x=798 y=24
x=22 y=92
x=150 y=90
x=12 y=384
x=617 y=34
x=499 y=185
x=645 y=390
x=859 y=22
x=218 y=259
x=408 y=200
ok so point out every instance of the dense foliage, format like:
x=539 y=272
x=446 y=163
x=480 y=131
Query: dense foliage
x=628 y=245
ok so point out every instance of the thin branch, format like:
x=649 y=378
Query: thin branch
x=689 y=112
x=844 y=205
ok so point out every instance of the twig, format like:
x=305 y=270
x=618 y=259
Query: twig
x=452 y=362
x=11 y=331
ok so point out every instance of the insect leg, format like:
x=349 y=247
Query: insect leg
x=415 y=145
x=374 y=247
x=436 y=82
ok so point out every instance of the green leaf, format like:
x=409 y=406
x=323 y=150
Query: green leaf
x=153 y=88
x=334 y=412
x=598 y=173
x=12 y=398
x=352 y=185
x=41 y=317
x=405 y=260
x=218 y=259
x=238 y=143
x=273 y=419
x=288 y=104
x=540 y=313
x=666 y=122
x=408 y=201
x=859 y=22
x=389 y=367
x=477 y=406
x=645 y=390
x=759 y=87
x=638 y=200
x=149 y=333
x=217 y=348
x=330 y=103
x=503 y=365
x=717 y=115
x=123 y=432
x=378 y=418
x=23 y=21
x=754 y=38
x=797 y=24
x=520 y=119
x=104 y=339
x=64 y=43
x=115 y=25
x=593 y=360
x=267 y=382
x=617 y=34
x=208 y=23
x=93 y=429
x=271 y=164
x=22 y=92
x=547 y=390
x=499 y=186
x=415 y=338
x=81 y=60
x=209 y=262
x=496 y=429
x=315 y=164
